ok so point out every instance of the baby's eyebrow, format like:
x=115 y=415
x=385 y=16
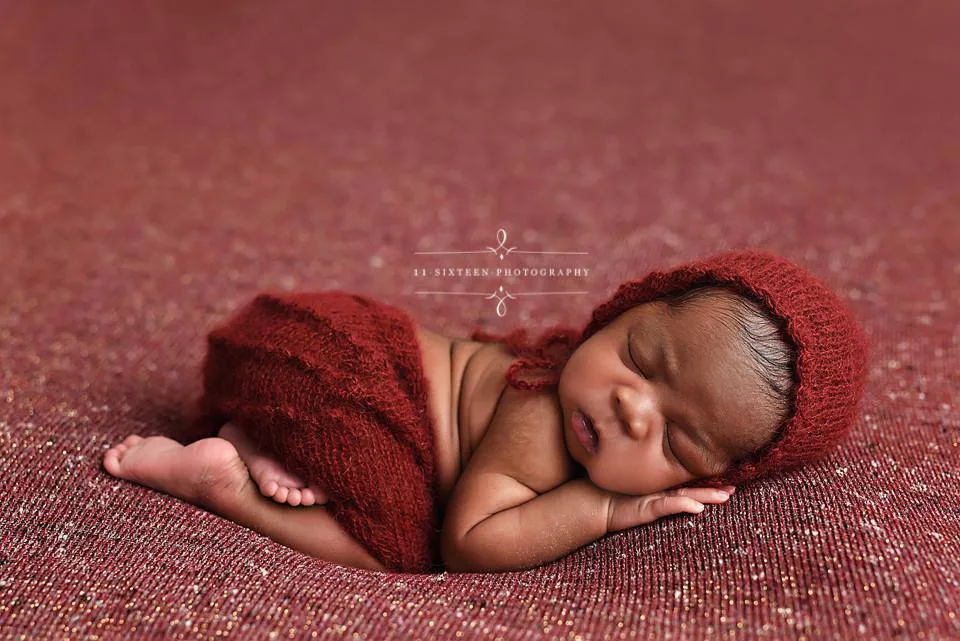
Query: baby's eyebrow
x=668 y=357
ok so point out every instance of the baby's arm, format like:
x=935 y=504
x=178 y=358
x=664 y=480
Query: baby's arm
x=525 y=529
x=495 y=522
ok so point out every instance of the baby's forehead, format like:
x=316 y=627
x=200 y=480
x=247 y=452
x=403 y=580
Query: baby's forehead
x=633 y=318
x=706 y=302
x=645 y=307
x=694 y=324
x=653 y=309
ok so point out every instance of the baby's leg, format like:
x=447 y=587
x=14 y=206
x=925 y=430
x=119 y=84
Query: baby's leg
x=210 y=473
x=269 y=474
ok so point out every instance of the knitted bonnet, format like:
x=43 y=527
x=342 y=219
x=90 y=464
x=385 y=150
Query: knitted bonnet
x=829 y=372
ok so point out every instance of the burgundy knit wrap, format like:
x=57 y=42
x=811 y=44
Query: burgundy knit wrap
x=333 y=384
x=832 y=350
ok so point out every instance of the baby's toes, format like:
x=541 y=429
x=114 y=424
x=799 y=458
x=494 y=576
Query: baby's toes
x=293 y=497
x=269 y=488
x=306 y=497
x=117 y=451
x=130 y=441
x=281 y=495
x=112 y=458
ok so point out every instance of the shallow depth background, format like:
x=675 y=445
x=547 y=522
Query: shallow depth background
x=162 y=163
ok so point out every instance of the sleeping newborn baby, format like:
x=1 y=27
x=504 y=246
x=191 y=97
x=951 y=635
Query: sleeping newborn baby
x=348 y=432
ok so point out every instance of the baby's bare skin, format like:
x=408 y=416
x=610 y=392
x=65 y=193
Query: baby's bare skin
x=671 y=397
x=500 y=451
x=464 y=379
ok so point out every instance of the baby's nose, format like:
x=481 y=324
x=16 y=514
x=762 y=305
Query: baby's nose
x=633 y=409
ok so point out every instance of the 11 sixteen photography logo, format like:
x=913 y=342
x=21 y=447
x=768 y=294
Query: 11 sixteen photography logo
x=510 y=282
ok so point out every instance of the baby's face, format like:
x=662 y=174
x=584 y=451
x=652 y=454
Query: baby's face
x=657 y=428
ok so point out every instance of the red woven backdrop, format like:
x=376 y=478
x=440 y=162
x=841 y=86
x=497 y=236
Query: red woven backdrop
x=162 y=163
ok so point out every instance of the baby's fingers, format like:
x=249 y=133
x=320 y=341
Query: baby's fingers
x=686 y=499
x=658 y=506
x=702 y=494
x=627 y=511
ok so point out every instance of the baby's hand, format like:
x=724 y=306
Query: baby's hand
x=626 y=511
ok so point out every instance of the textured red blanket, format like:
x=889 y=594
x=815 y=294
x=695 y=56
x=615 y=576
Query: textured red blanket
x=159 y=166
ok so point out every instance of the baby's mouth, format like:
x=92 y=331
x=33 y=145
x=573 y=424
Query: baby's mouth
x=593 y=428
x=586 y=431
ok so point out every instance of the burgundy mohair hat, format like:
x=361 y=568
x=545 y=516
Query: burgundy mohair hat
x=832 y=349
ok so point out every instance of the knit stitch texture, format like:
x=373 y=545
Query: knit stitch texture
x=332 y=384
x=162 y=163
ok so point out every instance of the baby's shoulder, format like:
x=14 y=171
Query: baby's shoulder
x=525 y=439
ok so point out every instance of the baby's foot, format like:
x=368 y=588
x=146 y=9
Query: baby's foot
x=200 y=473
x=270 y=476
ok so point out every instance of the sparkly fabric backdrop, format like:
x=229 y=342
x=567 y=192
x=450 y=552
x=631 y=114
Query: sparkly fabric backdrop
x=161 y=163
